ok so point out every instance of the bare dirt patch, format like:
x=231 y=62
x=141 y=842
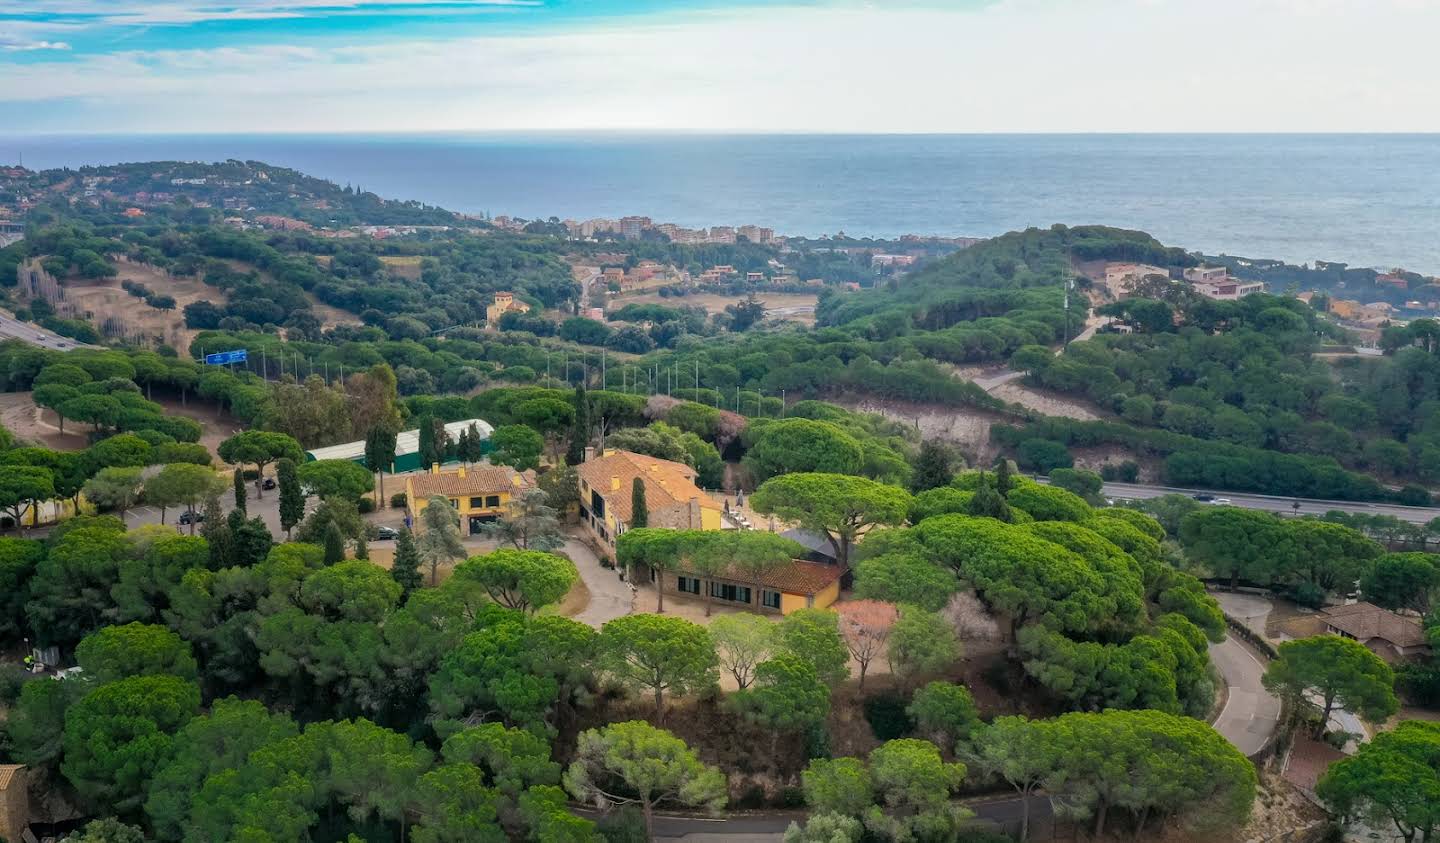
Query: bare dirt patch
x=964 y=426
x=1042 y=402
x=793 y=307
x=28 y=423
x=106 y=302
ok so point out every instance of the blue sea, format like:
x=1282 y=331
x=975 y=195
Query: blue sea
x=1370 y=200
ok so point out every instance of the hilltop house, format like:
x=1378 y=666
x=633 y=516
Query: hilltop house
x=505 y=302
x=672 y=499
x=480 y=494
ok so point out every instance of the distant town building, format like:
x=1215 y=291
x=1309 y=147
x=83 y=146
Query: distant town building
x=1206 y=274
x=722 y=234
x=892 y=260
x=632 y=227
x=505 y=302
x=1228 y=289
x=756 y=234
x=1392 y=279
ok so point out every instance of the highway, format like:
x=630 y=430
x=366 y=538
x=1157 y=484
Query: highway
x=1134 y=491
x=12 y=328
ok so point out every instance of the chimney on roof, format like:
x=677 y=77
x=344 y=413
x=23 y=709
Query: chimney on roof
x=614 y=482
x=434 y=468
x=462 y=472
x=516 y=478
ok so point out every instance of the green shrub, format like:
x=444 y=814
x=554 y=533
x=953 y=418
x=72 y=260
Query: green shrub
x=887 y=716
x=398 y=500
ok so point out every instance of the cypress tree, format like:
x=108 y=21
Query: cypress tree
x=406 y=567
x=334 y=545
x=380 y=453
x=218 y=535
x=241 y=493
x=1003 y=482
x=932 y=467
x=362 y=549
x=580 y=431
x=988 y=503
x=292 y=500
x=427 y=442
x=475 y=448
x=639 y=512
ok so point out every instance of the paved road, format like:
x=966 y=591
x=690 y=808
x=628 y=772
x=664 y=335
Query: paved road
x=609 y=597
x=1251 y=713
x=12 y=328
x=1308 y=506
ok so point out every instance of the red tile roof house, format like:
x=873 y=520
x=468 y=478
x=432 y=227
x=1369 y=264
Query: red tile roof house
x=1392 y=637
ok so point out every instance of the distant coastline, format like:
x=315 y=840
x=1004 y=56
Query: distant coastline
x=1366 y=200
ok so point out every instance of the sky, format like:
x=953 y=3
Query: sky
x=179 y=66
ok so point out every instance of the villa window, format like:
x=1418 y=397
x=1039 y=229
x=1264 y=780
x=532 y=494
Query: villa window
x=688 y=585
x=492 y=501
x=731 y=593
x=476 y=503
x=770 y=599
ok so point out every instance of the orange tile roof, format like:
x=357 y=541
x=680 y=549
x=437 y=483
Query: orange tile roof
x=667 y=483
x=7 y=774
x=799 y=577
x=477 y=480
x=1366 y=621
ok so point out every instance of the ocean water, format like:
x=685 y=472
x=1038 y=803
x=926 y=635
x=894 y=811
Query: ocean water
x=1371 y=200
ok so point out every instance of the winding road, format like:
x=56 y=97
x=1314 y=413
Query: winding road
x=1251 y=713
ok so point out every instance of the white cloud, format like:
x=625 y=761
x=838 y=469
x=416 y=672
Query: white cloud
x=1021 y=65
x=12 y=45
x=136 y=12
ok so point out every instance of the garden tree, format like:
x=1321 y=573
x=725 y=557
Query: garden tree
x=370 y=398
x=18 y=561
x=905 y=577
x=35 y=723
x=311 y=411
x=120 y=734
x=1403 y=581
x=652 y=767
x=439 y=540
x=838 y=786
x=987 y=502
x=344 y=479
x=517 y=446
x=208 y=745
x=292 y=497
x=1186 y=596
x=126 y=449
x=865 y=626
x=795 y=445
x=787 y=696
x=53 y=396
x=656 y=654
x=944 y=713
x=921 y=642
x=114 y=488
x=326 y=638
x=453 y=805
x=1340 y=672
x=610 y=410
x=1004 y=483
x=241 y=494
x=108 y=830
x=825 y=828
x=158 y=561
x=916 y=787
x=1240 y=543
x=135 y=649
x=512 y=759
x=639 y=510
x=1018 y=574
x=934 y=467
x=405 y=570
x=1049 y=503
x=814 y=635
x=70 y=592
x=941 y=501
x=1023 y=753
x=380 y=452
x=527 y=580
x=102 y=411
x=20 y=487
x=1153 y=764
x=529 y=524
x=551 y=417
x=1392 y=779
x=182 y=483
x=579 y=429
x=259 y=448
x=334 y=545
x=1325 y=557
x=561 y=486
x=1086 y=484
x=837 y=506
x=742 y=641
x=1121 y=572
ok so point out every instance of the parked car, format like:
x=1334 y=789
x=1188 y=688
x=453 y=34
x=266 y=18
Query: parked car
x=190 y=516
x=1203 y=498
x=1219 y=501
x=386 y=533
x=267 y=483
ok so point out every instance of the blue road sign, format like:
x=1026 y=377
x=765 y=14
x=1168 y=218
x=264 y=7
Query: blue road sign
x=224 y=357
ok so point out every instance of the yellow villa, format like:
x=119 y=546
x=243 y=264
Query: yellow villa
x=480 y=493
x=671 y=497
